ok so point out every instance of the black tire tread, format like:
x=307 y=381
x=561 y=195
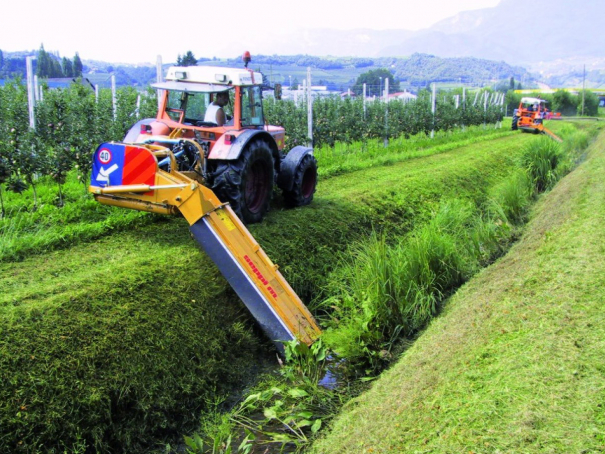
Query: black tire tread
x=295 y=197
x=229 y=181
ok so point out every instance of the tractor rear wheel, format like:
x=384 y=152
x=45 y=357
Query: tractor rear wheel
x=514 y=123
x=247 y=183
x=304 y=183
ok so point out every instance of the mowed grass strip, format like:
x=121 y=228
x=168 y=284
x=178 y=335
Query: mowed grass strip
x=516 y=362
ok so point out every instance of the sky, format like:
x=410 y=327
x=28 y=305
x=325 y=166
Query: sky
x=138 y=31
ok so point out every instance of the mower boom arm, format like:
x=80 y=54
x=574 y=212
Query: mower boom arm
x=130 y=178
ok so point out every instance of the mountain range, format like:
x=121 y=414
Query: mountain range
x=528 y=34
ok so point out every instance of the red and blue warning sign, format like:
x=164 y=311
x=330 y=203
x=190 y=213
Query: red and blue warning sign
x=116 y=164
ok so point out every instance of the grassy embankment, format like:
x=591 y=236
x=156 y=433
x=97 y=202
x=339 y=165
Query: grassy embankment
x=515 y=362
x=124 y=341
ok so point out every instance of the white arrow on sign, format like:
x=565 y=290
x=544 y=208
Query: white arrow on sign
x=104 y=174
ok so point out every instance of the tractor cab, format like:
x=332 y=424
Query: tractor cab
x=534 y=106
x=188 y=92
x=237 y=155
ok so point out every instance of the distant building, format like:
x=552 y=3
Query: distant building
x=403 y=96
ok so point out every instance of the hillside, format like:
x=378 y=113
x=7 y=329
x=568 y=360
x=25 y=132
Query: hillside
x=555 y=38
x=415 y=71
x=515 y=362
x=337 y=73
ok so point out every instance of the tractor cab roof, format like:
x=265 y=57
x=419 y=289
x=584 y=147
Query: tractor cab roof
x=215 y=78
x=527 y=100
x=190 y=87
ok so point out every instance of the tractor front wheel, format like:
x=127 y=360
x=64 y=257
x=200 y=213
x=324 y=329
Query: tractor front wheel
x=247 y=183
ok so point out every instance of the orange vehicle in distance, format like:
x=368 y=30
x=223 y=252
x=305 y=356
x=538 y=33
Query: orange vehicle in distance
x=530 y=115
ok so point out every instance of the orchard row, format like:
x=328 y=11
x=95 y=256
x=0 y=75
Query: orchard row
x=71 y=122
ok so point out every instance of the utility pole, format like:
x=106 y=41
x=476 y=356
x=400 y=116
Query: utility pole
x=309 y=108
x=30 y=91
x=159 y=77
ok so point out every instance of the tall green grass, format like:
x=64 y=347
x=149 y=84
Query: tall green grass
x=392 y=287
x=541 y=160
x=390 y=290
x=511 y=199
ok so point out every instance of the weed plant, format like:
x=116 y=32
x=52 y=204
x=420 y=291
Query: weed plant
x=541 y=159
x=287 y=409
x=392 y=290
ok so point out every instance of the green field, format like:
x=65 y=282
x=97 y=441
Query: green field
x=120 y=339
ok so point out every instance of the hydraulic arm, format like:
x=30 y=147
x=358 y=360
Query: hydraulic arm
x=128 y=176
x=540 y=128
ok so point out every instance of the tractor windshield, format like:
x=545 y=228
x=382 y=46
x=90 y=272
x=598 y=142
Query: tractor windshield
x=252 y=106
x=188 y=107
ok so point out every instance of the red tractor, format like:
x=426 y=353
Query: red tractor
x=244 y=157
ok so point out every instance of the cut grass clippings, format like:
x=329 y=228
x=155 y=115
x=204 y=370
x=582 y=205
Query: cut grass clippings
x=515 y=362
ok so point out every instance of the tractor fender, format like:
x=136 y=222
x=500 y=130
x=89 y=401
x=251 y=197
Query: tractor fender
x=285 y=178
x=156 y=127
x=231 y=152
